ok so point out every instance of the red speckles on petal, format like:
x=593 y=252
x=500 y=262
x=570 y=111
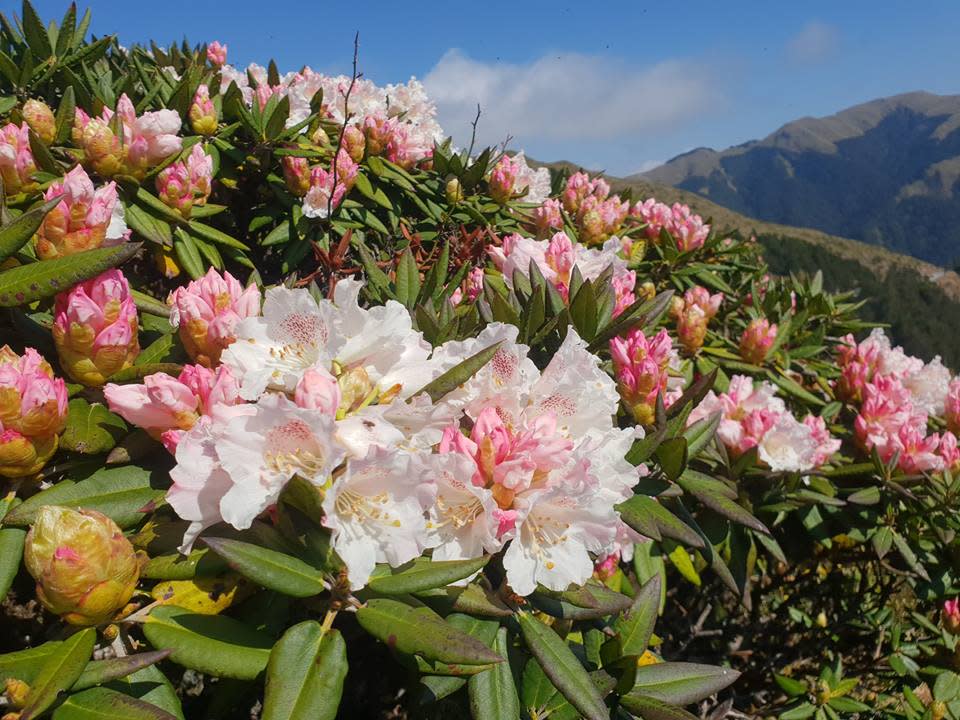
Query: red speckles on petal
x=504 y=365
x=559 y=405
x=304 y=329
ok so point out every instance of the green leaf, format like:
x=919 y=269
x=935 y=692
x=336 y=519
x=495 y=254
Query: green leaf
x=105 y=704
x=650 y=708
x=35 y=33
x=426 y=574
x=642 y=511
x=59 y=673
x=11 y=553
x=635 y=626
x=213 y=644
x=715 y=495
x=420 y=631
x=681 y=683
x=269 y=568
x=801 y=712
x=493 y=694
x=459 y=374
x=188 y=254
x=791 y=687
x=699 y=435
x=17 y=233
x=588 y=602
x=91 y=429
x=305 y=674
x=408 y=279
x=909 y=556
x=211 y=234
x=562 y=667
x=672 y=456
x=25 y=664
x=120 y=493
x=148 y=226
x=98 y=672
x=24 y=284
x=151 y=685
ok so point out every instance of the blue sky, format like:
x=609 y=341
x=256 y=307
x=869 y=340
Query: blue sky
x=611 y=85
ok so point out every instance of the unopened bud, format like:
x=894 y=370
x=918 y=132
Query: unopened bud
x=320 y=137
x=203 y=113
x=39 y=117
x=454 y=191
x=354 y=142
x=950 y=616
x=85 y=569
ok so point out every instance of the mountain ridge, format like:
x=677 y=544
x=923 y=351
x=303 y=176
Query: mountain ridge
x=886 y=172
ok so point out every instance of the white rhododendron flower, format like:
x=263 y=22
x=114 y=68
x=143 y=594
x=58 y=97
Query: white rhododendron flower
x=788 y=446
x=375 y=510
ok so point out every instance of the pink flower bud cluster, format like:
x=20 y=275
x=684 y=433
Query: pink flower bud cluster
x=471 y=287
x=950 y=616
x=85 y=219
x=166 y=407
x=185 y=184
x=33 y=411
x=217 y=53
x=16 y=159
x=125 y=143
x=503 y=179
x=556 y=258
x=206 y=312
x=896 y=394
x=599 y=219
x=547 y=218
x=752 y=416
x=685 y=227
x=757 y=339
x=203 y=113
x=693 y=313
x=579 y=187
x=329 y=187
x=95 y=328
x=391 y=137
x=642 y=367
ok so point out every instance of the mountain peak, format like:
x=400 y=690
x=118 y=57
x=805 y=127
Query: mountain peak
x=884 y=171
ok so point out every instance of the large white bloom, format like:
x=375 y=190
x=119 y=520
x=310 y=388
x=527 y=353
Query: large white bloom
x=375 y=510
x=788 y=446
x=296 y=333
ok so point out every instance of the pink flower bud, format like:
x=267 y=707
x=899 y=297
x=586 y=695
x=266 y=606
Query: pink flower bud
x=296 y=174
x=641 y=368
x=578 y=187
x=33 y=410
x=95 y=328
x=203 y=113
x=756 y=341
x=453 y=191
x=85 y=569
x=354 y=142
x=318 y=390
x=16 y=159
x=82 y=220
x=39 y=117
x=207 y=310
x=693 y=313
x=474 y=283
x=185 y=184
x=503 y=179
x=217 y=53
x=547 y=218
x=950 y=616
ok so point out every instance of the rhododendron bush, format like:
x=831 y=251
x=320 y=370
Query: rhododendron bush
x=307 y=413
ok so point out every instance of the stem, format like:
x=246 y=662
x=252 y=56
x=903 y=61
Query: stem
x=328 y=621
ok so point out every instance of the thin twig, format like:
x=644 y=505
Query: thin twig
x=346 y=118
x=473 y=135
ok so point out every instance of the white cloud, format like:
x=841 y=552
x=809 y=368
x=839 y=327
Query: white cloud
x=569 y=97
x=815 y=42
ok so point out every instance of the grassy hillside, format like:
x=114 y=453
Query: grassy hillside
x=920 y=301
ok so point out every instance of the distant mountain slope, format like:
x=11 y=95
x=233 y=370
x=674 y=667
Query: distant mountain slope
x=886 y=172
x=920 y=301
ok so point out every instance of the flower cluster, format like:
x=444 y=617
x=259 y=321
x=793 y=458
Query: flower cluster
x=95 y=328
x=33 y=411
x=140 y=143
x=16 y=159
x=896 y=393
x=757 y=340
x=752 y=416
x=85 y=219
x=556 y=259
x=693 y=313
x=327 y=391
x=325 y=188
x=645 y=368
x=185 y=184
x=685 y=227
